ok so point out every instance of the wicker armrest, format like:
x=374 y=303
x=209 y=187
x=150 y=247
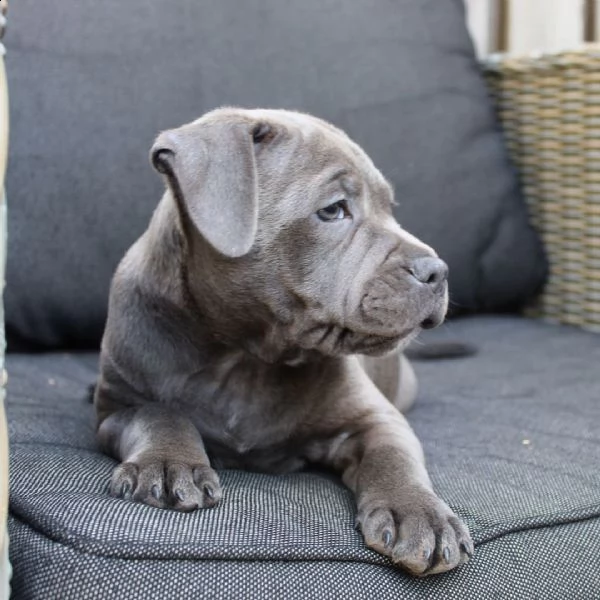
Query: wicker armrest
x=549 y=106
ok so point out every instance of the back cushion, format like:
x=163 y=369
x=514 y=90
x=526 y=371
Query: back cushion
x=92 y=83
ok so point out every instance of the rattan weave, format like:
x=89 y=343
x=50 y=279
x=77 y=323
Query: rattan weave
x=549 y=106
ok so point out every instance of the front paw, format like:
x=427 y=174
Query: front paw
x=166 y=484
x=417 y=530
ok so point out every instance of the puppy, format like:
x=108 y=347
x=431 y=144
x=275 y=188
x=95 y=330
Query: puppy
x=258 y=324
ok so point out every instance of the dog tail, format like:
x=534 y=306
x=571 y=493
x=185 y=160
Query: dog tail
x=440 y=350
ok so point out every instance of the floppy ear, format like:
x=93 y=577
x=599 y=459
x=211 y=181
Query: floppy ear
x=211 y=169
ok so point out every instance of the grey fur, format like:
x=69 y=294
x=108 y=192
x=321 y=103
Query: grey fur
x=244 y=331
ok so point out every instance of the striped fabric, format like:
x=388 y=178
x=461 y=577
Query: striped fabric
x=512 y=441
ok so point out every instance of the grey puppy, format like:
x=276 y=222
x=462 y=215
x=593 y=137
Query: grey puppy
x=258 y=324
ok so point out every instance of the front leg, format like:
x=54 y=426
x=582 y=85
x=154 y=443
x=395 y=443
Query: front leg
x=164 y=463
x=382 y=462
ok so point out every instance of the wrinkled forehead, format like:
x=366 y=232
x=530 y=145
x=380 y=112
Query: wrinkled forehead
x=320 y=147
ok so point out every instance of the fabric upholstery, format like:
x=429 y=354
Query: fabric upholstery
x=538 y=564
x=512 y=443
x=92 y=83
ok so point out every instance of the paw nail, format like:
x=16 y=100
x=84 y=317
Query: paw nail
x=155 y=492
x=179 y=495
x=387 y=538
x=466 y=550
x=446 y=554
x=125 y=489
x=209 y=492
x=427 y=554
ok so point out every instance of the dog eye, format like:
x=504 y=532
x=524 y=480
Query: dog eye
x=334 y=212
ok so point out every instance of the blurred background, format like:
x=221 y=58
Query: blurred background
x=522 y=26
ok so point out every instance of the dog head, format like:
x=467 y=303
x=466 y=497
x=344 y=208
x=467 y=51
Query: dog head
x=291 y=244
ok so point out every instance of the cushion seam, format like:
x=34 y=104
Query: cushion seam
x=526 y=525
x=382 y=560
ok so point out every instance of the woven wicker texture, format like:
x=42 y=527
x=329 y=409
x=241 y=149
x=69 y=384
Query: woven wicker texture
x=549 y=106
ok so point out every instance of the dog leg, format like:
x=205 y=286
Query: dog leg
x=395 y=378
x=382 y=462
x=164 y=462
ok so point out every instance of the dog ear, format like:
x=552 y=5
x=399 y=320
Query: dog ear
x=211 y=170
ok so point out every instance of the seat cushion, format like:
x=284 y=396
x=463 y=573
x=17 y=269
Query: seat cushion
x=93 y=83
x=512 y=443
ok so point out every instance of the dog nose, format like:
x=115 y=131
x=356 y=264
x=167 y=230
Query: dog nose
x=430 y=271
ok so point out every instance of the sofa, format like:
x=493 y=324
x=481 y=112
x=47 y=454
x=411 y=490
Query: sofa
x=510 y=433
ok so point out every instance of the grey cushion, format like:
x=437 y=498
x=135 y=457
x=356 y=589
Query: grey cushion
x=93 y=82
x=533 y=508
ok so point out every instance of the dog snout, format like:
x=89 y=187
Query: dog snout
x=431 y=271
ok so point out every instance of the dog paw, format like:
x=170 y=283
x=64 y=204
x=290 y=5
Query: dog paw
x=420 y=533
x=167 y=484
